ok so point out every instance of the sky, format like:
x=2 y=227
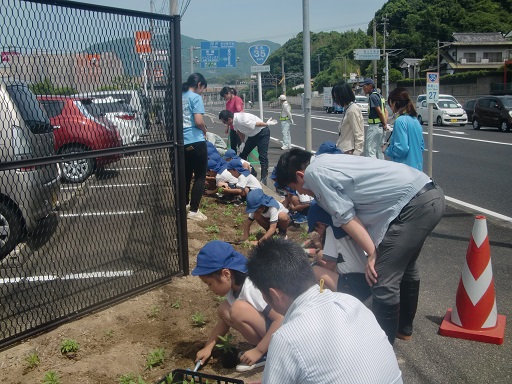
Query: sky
x=247 y=21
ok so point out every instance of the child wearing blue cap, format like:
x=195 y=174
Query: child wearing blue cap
x=217 y=175
x=224 y=270
x=231 y=154
x=245 y=181
x=340 y=262
x=269 y=213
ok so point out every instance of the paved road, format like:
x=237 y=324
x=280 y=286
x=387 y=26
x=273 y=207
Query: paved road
x=429 y=357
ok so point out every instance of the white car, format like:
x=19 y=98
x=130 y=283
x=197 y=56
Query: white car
x=422 y=98
x=446 y=112
x=129 y=123
x=362 y=101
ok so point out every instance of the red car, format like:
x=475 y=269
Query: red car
x=76 y=129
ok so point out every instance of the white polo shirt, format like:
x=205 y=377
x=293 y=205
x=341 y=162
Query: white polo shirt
x=246 y=123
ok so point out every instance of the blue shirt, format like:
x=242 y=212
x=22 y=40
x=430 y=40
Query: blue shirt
x=192 y=103
x=373 y=190
x=406 y=144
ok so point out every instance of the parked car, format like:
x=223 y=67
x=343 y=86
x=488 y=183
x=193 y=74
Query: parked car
x=78 y=130
x=135 y=99
x=362 y=101
x=469 y=107
x=493 y=111
x=130 y=124
x=422 y=98
x=446 y=112
x=27 y=194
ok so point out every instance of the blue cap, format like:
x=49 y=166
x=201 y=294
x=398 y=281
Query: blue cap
x=211 y=148
x=236 y=164
x=229 y=154
x=217 y=166
x=317 y=214
x=217 y=255
x=328 y=147
x=367 y=81
x=215 y=156
x=256 y=198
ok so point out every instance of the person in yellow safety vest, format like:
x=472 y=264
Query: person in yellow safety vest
x=377 y=121
x=286 y=118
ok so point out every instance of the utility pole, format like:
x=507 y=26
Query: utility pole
x=152 y=60
x=375 y=46
x=283 y=78
x=173 y=7
x=191 y=59
x=306 y=49
x=386 y=77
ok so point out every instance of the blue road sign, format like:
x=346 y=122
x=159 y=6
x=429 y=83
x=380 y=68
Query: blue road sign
x=218 y=54
x=259 y=53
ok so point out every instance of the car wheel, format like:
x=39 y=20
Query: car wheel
x=11 y=229
x=439 y=121
x=420 y=119
x=504 y=127
x=76 y=171
x=476 y=124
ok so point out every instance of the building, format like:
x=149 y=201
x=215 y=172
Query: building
x=474 y=51
x=410 y=68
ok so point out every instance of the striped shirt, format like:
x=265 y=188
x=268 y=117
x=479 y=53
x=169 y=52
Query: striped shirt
x=330 y=337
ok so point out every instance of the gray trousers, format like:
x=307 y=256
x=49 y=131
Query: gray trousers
x=373 y=141
x=398 y=252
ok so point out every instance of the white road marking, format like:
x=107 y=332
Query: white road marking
x=470 y=139
x=120 y=185
x=73 y=276
x=126 y=169
x=480 y=209
x=100 y=213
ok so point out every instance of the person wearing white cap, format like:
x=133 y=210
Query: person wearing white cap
x=286 y=118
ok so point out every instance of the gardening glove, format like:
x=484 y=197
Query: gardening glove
x=271 y=121
x=241 y=147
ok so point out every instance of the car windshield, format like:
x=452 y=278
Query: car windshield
x=447 y=104
x=507 y=102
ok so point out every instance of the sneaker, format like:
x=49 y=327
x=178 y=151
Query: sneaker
x=300 y=219
x=260 y=363
x=284 y=148
x=197 y=216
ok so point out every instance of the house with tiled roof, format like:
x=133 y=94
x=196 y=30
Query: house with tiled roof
x=474 y=51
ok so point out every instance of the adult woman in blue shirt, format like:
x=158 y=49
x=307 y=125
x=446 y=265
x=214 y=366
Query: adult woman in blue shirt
x=196 y=153
x=406 y=143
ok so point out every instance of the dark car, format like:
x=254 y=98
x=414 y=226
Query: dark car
x=493 y=111
x=77 y=129
x=469 y=107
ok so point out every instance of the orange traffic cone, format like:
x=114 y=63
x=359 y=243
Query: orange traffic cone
x=475 y=316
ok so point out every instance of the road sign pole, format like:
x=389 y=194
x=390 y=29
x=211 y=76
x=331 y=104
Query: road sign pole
x=260 y=96
x=430 y=138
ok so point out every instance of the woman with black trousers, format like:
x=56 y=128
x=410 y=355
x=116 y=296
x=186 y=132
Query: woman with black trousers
x=196 y=154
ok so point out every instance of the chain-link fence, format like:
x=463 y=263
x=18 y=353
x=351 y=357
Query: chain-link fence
x=90 y=197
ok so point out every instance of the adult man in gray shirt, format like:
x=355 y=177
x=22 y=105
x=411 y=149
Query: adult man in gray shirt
x=387 y=208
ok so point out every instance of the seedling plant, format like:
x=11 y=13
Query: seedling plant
x=226 y=343
x=32 y=360
x=154 y=312
x=131 y=379
x=155 y=358
x=69 y=346
x=198 y=319
x=176 y=304
x=51 y=377
x=213 y=229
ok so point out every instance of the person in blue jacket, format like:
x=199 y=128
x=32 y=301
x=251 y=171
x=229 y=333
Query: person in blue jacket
x=406 y=143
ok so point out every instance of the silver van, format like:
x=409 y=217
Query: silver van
x=27 y=194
